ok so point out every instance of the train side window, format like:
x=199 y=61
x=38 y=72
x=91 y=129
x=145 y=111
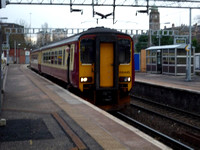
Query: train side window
x=87 y=51
x=43 y=57
x=34 y=58
x=60 y=57
x=49 y=58
x=72 y=57
x=56 y=57
x=63 y=57
x=124 y=51
x=52 y=57
x=46 y=57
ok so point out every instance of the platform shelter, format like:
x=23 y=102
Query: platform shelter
x=168 y=59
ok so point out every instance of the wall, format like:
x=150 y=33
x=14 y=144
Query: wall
x=20 y=56
x=182 y=99
x=143 y=60
x=137 y=61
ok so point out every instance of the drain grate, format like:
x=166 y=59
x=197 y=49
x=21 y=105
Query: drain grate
x=24 y=129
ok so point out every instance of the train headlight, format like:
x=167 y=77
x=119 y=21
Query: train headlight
x=124 y=79
x=86 y=79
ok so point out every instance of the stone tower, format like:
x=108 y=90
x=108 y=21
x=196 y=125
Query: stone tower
x=154 y=19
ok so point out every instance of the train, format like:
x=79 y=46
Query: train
x=99 y=61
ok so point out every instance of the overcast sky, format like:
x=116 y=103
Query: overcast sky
x=60 y=16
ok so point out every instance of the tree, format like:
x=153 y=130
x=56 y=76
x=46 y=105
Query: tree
x=27 y=37
x=142 y=43
x=23 y=23
x=197 y=19
x=164 y=40
x=196 y=45
x=43 y=37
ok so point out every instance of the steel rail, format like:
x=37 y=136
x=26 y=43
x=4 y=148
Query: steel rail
x=164 y=138
x=168 y=107
x=166 y=117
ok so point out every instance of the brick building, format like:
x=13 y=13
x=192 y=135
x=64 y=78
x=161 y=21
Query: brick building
x=17 y=45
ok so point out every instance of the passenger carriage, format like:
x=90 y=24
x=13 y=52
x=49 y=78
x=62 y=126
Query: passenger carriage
x=99 y=60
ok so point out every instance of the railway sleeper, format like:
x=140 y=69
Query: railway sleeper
x=190 y=138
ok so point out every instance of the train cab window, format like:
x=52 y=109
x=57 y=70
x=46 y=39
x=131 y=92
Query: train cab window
x=87 y=51
x=124 y=51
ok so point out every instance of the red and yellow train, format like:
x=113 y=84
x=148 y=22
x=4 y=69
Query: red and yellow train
x=99 y=60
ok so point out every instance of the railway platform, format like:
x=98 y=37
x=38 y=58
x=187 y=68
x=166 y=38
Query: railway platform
x=173 y=91
x=42 y=115
x=176 y=82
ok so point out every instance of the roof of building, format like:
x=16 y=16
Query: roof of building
x=11 y=25
x=181 y=46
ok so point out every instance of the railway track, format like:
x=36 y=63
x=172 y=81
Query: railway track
x=156 y=134
x=179 y=116
x=181 y=125
x=165 y=139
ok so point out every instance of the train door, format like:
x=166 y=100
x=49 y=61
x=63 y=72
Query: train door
x=70 y=63
x=67 y=58
x=106 y=64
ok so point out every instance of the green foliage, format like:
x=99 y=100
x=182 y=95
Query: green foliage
x=164 y=40
x=167 y=40
x=142 y=43
x=196 y=45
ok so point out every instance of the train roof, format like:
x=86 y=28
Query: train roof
x=76 y=37
x=100 y=30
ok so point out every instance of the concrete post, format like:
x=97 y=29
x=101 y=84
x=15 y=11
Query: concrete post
x=7 y=43
x=15 y=61
x=1 y=81
x=188 y=74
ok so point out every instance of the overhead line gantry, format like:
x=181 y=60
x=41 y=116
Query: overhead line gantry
x=191 y=4
x=194 y=4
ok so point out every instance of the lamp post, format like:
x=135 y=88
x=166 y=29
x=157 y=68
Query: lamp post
x=1 y=79
x=30 y=27
x=17 y=52
x=188 y=69
x=7 y=40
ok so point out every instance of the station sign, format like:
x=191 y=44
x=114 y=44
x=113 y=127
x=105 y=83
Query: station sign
x=5 y=47
x=187 y=48
x=27 y=53
x=180 y=41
